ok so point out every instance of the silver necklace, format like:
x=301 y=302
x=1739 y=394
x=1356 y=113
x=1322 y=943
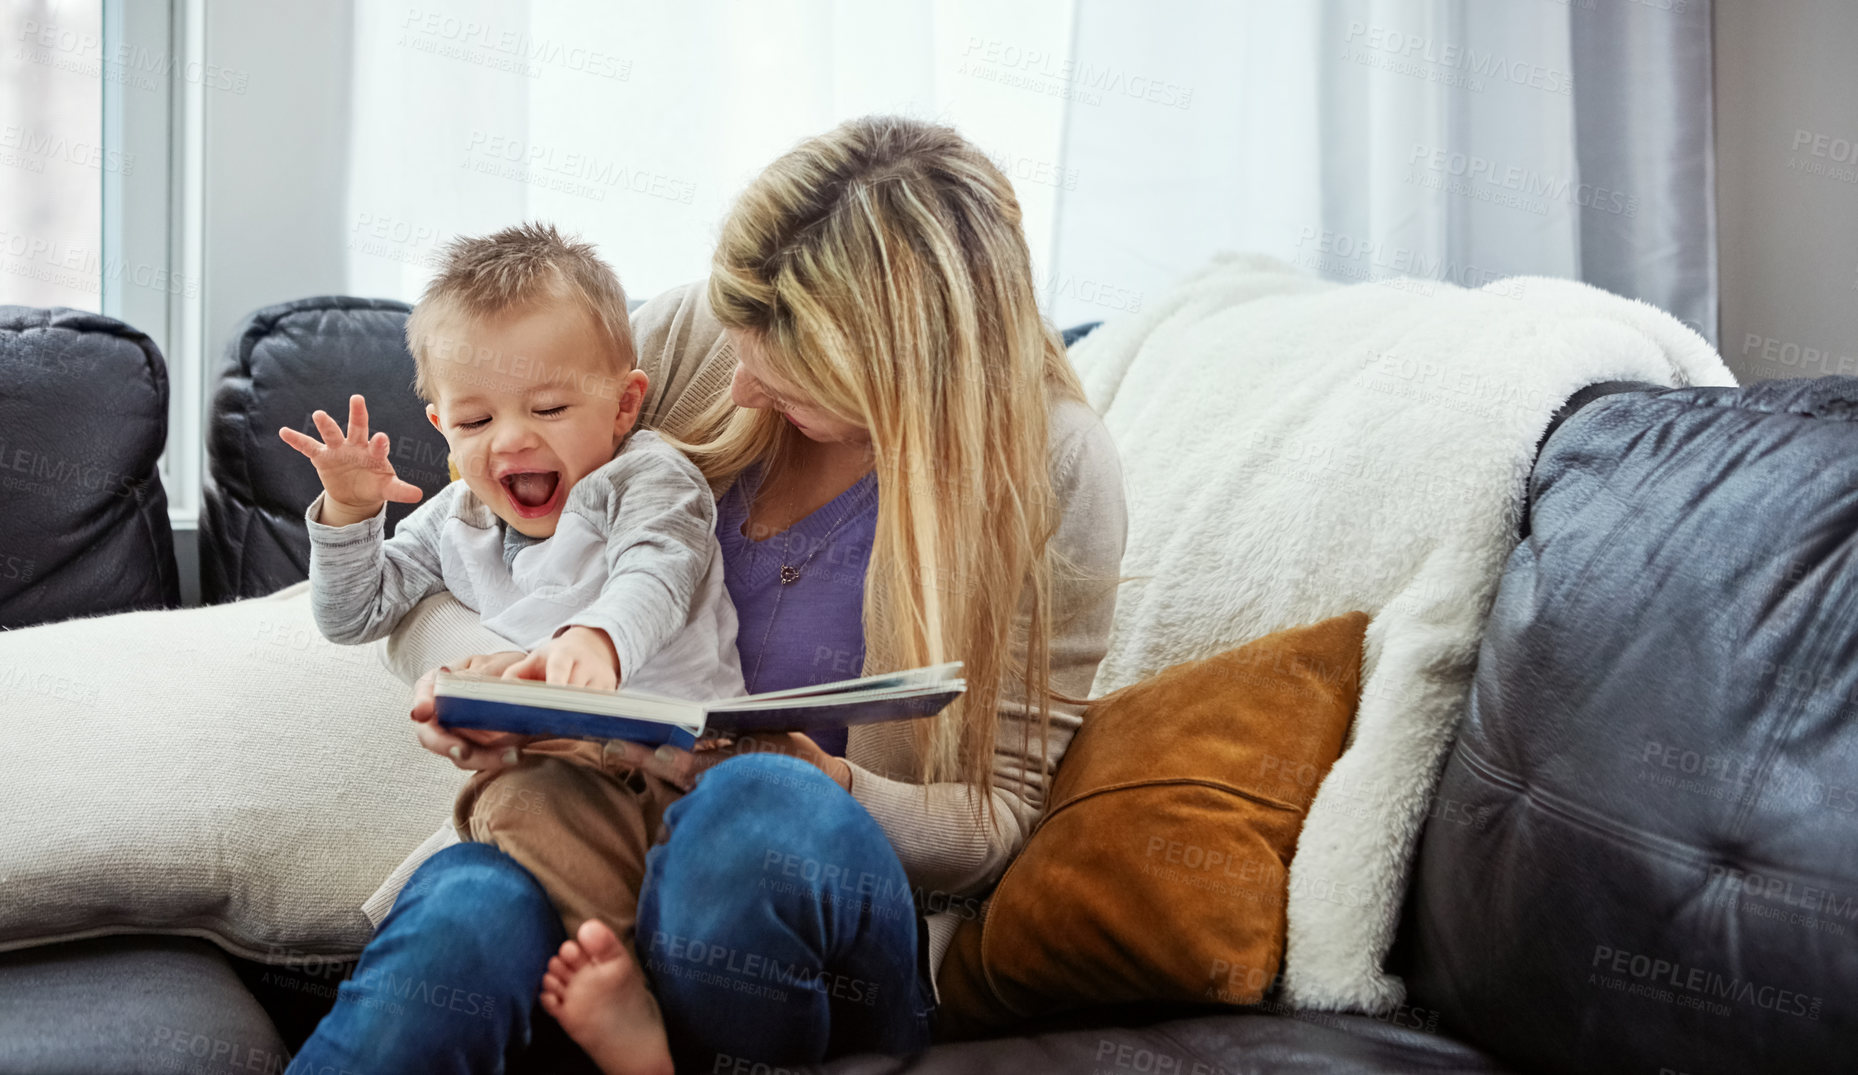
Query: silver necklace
x=790 y=574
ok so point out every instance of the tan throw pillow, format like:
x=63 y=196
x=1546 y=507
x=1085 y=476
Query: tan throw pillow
x=1159 y=872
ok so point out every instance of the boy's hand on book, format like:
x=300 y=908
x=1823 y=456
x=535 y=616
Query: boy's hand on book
x=357 y=478
x=578 y=656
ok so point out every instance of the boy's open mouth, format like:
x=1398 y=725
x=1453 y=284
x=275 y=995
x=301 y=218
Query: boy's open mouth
x=532 y=493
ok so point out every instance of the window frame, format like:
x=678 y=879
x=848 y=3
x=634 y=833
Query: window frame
x=153 y=239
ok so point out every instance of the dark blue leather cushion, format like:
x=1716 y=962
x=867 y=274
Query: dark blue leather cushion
x=83 y=420
x=131 y=1006
x=1403 y=1042
x=1078 y=332
x=285 y=363
x=1644 y=854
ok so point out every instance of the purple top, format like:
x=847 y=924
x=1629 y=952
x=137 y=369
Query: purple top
x=810 y=630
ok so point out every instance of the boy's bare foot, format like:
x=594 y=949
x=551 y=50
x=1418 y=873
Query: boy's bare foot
x=596 y=991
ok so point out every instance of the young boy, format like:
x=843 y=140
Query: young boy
x=579 y=539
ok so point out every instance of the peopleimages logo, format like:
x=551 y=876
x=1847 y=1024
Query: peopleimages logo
x=39 y=144
x=570 y=171
x=135 y=66
x=1479 y=64
x=1527 y=184
x=1651 y=974
x=1788 y=353
x=1811 y=899
x=1061 y=76
x=516 y=51
x=83 y=268
x=1353 y=257
x=742 y=972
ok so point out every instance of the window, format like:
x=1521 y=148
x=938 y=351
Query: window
x=100 y=105
x=52 y=155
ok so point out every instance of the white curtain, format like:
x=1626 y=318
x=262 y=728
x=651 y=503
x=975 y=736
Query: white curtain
x=1361 y=139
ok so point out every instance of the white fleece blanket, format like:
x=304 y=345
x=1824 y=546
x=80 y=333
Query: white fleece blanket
x=1294 y=449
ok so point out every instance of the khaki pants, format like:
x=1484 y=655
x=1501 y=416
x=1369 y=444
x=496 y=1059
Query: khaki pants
x=580 y=819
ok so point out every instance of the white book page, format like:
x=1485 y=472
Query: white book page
x=809 y=701
x=865 y=687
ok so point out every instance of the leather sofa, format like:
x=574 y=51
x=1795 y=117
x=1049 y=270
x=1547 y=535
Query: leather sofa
x=1644 y=850
x=83 y=517
x=1556 y=850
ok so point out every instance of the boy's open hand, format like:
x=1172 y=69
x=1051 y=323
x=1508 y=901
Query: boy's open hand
x=357 y=478
x=579 y=656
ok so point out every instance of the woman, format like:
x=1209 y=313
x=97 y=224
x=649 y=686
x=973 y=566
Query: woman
x=907 y=470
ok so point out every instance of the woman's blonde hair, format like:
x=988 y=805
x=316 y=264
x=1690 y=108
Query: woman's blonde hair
x=883 y=271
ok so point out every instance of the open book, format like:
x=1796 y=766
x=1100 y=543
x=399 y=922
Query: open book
x=532 y=707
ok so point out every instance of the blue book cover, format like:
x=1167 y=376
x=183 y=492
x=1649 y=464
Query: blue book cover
x=558 y=723
x=531 y=707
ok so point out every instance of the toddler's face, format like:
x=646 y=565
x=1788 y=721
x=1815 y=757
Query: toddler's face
x=530 y=404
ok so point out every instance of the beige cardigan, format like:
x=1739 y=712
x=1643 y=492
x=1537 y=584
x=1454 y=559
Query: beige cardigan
x=949 y=851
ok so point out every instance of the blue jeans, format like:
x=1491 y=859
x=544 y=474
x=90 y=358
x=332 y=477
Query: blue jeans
x=776 y=924
x=449 y=982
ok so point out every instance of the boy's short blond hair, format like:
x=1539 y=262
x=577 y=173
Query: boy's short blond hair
x=489 y=275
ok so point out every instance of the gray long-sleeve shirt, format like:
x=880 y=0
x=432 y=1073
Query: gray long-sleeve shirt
x=634 y=554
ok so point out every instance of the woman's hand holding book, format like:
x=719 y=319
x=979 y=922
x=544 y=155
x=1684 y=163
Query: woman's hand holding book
x=468 y=748
x=683 y=768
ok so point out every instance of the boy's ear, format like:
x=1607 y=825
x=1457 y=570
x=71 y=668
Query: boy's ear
x=631 y=398
x=451 y=464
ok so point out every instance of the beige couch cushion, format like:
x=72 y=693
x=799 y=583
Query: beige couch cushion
x=220 y=772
